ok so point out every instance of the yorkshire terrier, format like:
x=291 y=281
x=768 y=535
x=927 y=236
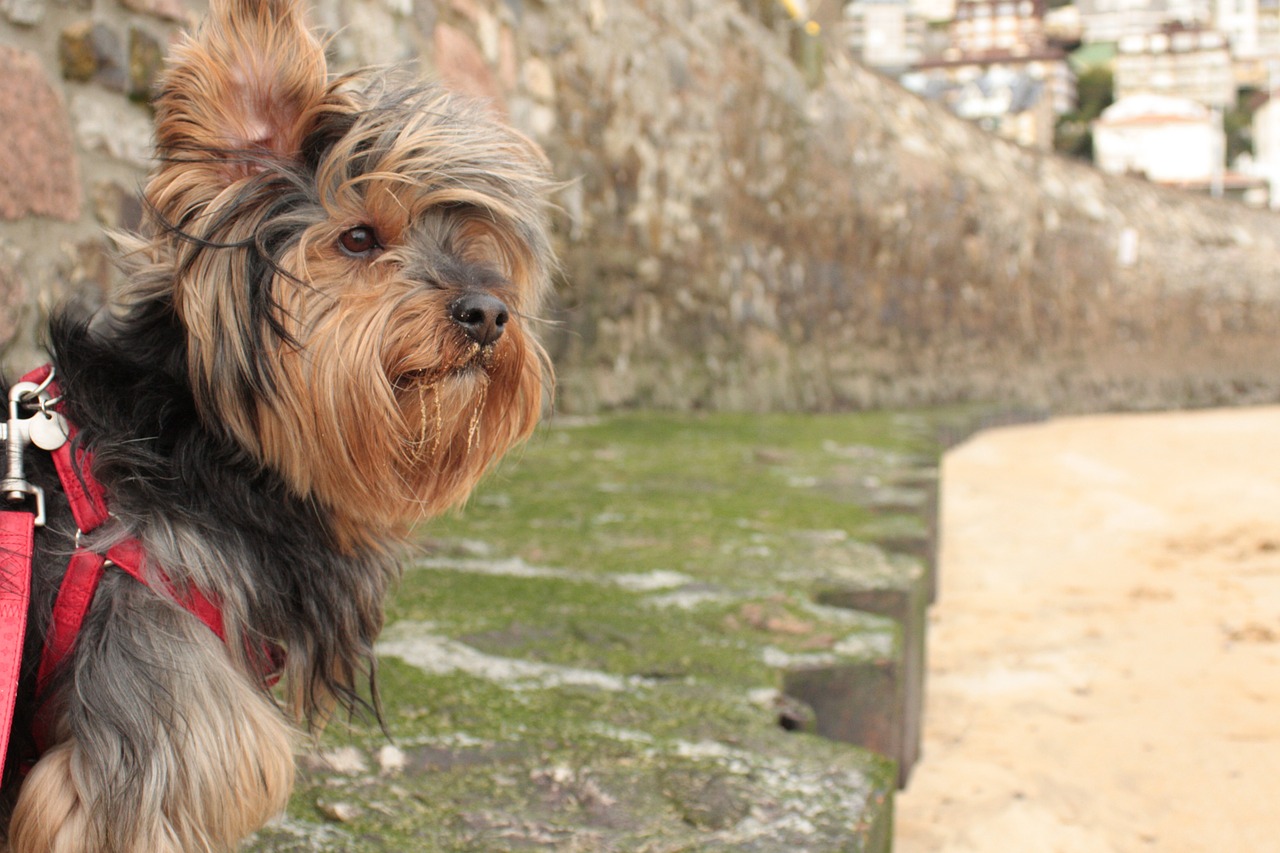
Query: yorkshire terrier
x=324 y=337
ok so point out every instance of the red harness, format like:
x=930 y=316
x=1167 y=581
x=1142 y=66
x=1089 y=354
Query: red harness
x=85 y=571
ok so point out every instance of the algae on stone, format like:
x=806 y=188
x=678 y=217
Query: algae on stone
x=591 y=656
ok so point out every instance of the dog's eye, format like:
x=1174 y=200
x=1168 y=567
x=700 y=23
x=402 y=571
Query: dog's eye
x=359 y=242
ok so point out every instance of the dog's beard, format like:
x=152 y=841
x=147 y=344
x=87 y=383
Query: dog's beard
x=464 y=410
x=463 y=381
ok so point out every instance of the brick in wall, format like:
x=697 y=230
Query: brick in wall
x=41 y=175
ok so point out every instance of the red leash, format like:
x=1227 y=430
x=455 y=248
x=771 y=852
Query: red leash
x=16 y=538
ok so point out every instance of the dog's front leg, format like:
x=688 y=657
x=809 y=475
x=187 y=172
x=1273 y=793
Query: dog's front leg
x=162 y=746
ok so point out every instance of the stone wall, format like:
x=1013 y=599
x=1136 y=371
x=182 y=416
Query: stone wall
x=735 y=234
x=759 y=243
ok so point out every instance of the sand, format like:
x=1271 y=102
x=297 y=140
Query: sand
x=1104 y=655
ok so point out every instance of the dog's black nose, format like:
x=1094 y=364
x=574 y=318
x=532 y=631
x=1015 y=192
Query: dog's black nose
x=481 y=316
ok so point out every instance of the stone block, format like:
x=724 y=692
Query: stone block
x=167 y=10
x=75 y=52
x=924 y=546
x=89 y=269
x=116 y=206
x=637 y=711
x=146 y=60
x=853 y=702
x=13 y=296
x=808 y=54
x=933 y=523
x=539 y=80
x=42 y=176
x=878 y=704
x=112 y=126
x=91 y=51
x=24 y=13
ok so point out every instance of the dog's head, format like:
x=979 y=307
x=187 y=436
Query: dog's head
x=354 y=263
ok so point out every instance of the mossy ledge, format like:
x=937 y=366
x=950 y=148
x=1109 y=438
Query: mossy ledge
x=597 y=653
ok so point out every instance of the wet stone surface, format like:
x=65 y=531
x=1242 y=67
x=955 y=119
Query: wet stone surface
x=594 y=656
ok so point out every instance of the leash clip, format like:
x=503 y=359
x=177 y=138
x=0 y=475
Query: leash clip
x=42 y=428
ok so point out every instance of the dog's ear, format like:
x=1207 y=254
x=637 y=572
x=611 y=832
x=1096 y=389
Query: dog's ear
x=237 y=95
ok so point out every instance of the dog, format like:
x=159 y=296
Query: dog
x=326 y=335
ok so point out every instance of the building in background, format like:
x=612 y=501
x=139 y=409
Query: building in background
x=1269 y=28
x=1062 y=25
x=1168 y=140
x=1017 y=97
x=1238 y=21
x=888 y=35
x=1112 y=20
x=1004 y=26
x=1000 y=71
x=1000 y=63
x=1266 y=139
x=1177 y=61
x=935 y=10
x=1252 y=67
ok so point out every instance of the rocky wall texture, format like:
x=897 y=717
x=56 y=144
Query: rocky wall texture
x=734 y=235
x=755 y=242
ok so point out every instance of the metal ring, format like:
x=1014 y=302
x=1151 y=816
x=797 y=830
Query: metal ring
x=42 y=387
x=26 y=398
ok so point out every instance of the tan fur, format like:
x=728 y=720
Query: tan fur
x=357 y=323
x=218 y=770
x=195 y=813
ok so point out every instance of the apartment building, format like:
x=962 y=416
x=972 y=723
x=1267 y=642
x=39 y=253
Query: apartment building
x=1112 y=20
x=1177 y=61
x=1169 y=140
x=1018 y=97
x=888 y=35
x=1004 y=26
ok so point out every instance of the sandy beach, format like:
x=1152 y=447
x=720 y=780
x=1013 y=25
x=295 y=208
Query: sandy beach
x=1104 y=655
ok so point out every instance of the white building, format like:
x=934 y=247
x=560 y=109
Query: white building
x=1266 y=146
x=1238 y=21
x=1181 y=62
x=1269 y=27
x=1167 y=140
x=1257 y=47
x=1112 y=20
x=1005 y=26
x=934 y=10
x=885 y=34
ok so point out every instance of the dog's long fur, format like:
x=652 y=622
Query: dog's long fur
x=282 y=388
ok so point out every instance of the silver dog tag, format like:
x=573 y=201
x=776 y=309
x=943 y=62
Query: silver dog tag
x=48 y=431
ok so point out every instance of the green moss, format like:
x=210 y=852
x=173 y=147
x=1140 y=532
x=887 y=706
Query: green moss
x=687 y=493
x=671 y=764
x=603 y=626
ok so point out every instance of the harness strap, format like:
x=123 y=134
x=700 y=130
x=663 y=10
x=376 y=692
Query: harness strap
x=88 y=504
x=87 y=500
x=16 y=543
x=69 y=611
